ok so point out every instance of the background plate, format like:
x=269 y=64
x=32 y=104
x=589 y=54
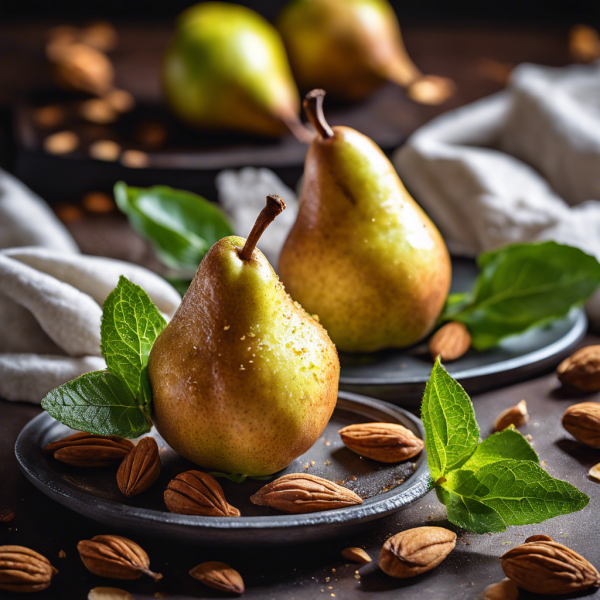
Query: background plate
x=94 y=493
x=399 y=376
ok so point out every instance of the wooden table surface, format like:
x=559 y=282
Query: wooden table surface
x=477 y=59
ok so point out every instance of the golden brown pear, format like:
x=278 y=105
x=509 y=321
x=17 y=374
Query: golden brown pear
x=362 y=254
x=243 y=379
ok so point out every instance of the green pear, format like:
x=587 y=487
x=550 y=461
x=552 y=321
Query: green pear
x=243 y=379
x=226 y=68
x=362 y=254
x=351 y=47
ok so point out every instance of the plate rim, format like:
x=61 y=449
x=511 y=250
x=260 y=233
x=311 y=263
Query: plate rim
x=93 y=507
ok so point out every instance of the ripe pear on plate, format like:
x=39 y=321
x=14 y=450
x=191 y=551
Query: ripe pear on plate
x=362 y=253
x=226 y=68
x=243 y=379
x=351 y=47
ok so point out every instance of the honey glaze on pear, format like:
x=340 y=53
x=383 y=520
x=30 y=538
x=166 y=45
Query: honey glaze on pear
x=243 y=379
x=362 y=254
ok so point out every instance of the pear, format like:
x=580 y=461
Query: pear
x=362 y=252
x=243 y=379
x=226 y=68
x=351 y=47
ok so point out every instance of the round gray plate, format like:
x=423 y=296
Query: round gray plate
x=399 y=376
x=94 y=493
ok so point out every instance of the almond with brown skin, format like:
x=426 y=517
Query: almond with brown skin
x=197 y=493
x=89 y=450
x=503 y=590
x=299 y=493
x=115 y=557
x=581 y=370
x=543 y=566
x=416 y=551
x=582 y=421
x=140 y=469
x=450 y=341
x=108 y=593
x=356 y=555
x=514 y=415
x=24 y=570
x=384 y=442
x=219 y=576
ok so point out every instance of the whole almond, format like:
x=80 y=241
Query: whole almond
x=581 y=370
x=514 y=415
x=595 y=472
x=546 y=567
x=582 y=421
x=24 y=570
x=503 y=590
x=356 y=555
x=384 y=442
x=115 y=557
x=89 y=450
x=140 y=469
x=450 y=341
x=416 y=551
x=303 y=493
x=219 y=576
x=108 y=593
x=197 y=493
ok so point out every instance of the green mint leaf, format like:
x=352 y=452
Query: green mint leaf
x=130 y=325
x=523 y=286
x=100 y=403
x=520 y=491
x=507 y=444
x=451 y=429
x=180 y=225
x=469 y=513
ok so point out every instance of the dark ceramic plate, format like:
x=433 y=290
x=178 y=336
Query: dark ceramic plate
x=399 y=376
x=94 y=493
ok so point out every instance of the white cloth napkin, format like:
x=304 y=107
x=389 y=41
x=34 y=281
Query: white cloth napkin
x=51 y=297
x=521 y=165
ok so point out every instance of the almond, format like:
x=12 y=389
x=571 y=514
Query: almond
x=503 y=590
x=140 y=469
x=450 y=341
x=384 y=442
x=581 y=370
x=582 y=421
x=89 y=450
x=219 y=576
x=356 y=555
x=514 y=415
x=24 y=570
x=303 y=493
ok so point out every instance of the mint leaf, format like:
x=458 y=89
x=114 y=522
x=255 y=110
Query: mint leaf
x=180 y=225
x=519 y=491
x=523 y=286
x=451 y=429
x=504 y=445
x=130 y=325
x=100 y=403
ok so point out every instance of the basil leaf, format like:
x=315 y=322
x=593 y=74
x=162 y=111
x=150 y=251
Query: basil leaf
x=504 y=445
x=180 y=225
x=520 y=491
x=451 y=429
x=100 y=403
x=523 y=286
x=130 y=325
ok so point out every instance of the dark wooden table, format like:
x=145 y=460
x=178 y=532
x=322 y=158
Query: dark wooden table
x=478 y=59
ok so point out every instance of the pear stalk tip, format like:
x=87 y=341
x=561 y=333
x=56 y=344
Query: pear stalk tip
x=275 y=206
x=313 y=107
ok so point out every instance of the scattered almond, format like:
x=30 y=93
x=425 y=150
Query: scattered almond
x=503 y=590
x=108 y=593
x=514 y=415
x=49 y=116
x=357 y=555
x=120 y=100
x=584 y=43
x=98 y=202
x=219 y=576
x=68 y=213
x=89 y=450
x=97 y=110
x=62 y=142
x=431 y=89
x=140 y=469
x=595 y=472
x=100 y=35
x=581 y=370
x=582 y=421
x=105 y=150
x=450 y=342
x=7 y=515
x=135 y=159
x=24 y=570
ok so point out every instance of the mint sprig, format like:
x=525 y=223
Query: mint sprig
x=489 y=485
x=522 y=286
x=117 y=401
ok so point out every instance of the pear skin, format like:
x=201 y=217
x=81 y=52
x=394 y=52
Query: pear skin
x=226 y=68
x=243 y=379
x=362 y=254
x=351 y=47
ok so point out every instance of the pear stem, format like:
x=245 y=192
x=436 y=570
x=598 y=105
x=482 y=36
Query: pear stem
x=313 y=107
x=299 y=131
x=275 y=206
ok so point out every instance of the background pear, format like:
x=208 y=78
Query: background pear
x=351 y=47
x=362 y=254
x=226 y=68
x=243 y=379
